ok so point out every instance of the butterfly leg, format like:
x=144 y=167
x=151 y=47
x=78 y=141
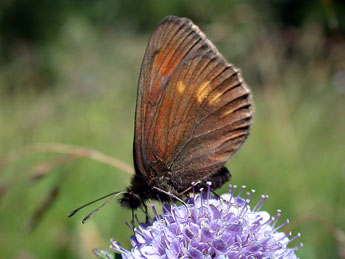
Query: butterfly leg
x=170 y=194
x=147 y=217
x=217 y=180
x=133 y=220
x=173 y=196
x=189 y=188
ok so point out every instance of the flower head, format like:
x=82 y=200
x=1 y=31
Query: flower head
x=209 y=226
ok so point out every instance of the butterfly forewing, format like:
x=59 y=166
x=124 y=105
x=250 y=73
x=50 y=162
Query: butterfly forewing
x=193 y=108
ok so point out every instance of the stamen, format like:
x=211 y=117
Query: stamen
x=233 y=192
x=297 y=247
x=284 y=236
x=277 y=216
x=292 y=239
x=164 y=208
x=290 y=251
x=282 y=225
x=243 y=187
x=258 y=203
x=251 y=195
x=268 y=221
x=153 y=207
x=193 y=184
x=201 y=200
x=244 y=209
x=263 y=202
x=208 y=190
x=115 y=245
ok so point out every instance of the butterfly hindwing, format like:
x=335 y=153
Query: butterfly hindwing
x=193 y=108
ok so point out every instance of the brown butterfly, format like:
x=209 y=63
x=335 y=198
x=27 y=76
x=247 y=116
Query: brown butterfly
x=193 y=113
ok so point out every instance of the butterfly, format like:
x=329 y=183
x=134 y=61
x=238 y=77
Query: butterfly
x=193 y=112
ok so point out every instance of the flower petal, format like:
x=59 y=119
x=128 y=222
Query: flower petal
x=220 y=246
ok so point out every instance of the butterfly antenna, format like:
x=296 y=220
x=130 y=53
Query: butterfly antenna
x=91 y=202
x=104 y=204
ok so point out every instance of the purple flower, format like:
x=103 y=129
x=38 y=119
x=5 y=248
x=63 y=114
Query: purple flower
x=209 y=226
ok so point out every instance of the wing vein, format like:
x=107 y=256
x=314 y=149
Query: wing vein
x=153 y=125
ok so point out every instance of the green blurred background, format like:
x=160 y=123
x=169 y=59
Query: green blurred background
x=68 y=74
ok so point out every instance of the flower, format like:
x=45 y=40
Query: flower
x=211 y=226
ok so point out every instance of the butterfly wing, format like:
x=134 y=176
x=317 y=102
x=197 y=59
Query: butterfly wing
x=193 y=108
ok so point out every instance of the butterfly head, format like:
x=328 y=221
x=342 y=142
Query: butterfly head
x=130 y=200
